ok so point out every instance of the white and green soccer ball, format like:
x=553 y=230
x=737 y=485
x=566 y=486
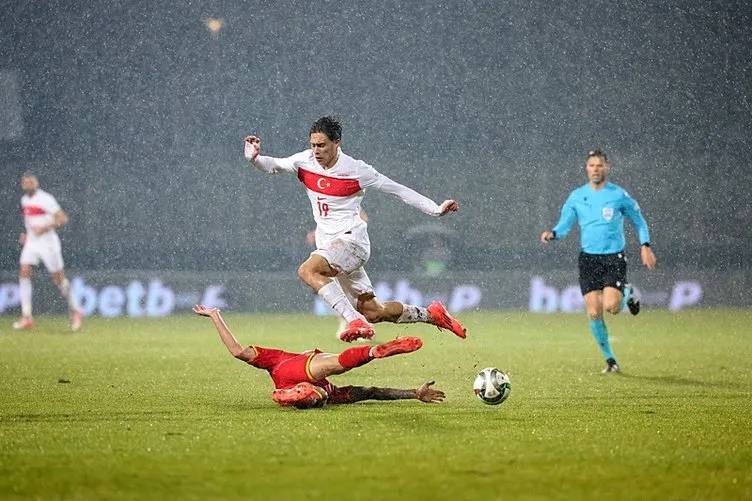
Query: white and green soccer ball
x=492 y=386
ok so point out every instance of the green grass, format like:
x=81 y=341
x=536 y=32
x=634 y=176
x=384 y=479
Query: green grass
x=150 y=409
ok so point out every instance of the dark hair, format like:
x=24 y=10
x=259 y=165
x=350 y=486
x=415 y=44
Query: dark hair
x=328 y=125
x=597 y=153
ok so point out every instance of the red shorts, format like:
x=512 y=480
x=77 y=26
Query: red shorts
x=288 y=369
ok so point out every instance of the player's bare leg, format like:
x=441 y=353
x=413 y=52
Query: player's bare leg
x=612 y=300
x=76 y=316
x=319 y=275
x=594 y=305
x=25 y=291
x=394 y=311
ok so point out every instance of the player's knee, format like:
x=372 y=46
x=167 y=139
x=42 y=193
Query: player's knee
x=613 y=308
x=305 y=273
x=594 y=314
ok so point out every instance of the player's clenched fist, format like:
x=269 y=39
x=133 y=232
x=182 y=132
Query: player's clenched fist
x=448 y=206
x=547 y=236
x=252 y=147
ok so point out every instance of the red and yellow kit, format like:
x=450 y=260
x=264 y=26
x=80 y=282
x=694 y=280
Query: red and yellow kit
x=288 y=369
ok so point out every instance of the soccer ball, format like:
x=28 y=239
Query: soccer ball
x=492 y=386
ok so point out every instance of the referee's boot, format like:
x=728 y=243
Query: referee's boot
x=611 y=367
x=633 y=303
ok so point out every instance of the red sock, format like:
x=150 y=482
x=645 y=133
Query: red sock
x=355 y=357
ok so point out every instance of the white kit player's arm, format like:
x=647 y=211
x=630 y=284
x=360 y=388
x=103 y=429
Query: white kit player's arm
x=60 y=219
x=415 y=199
x=270 y=165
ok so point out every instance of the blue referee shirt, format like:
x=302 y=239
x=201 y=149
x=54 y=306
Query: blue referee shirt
x=600 y=215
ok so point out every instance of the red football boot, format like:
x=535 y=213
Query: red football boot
x=396 y=346
x=23 y=323
x=441 y=318
x=302 y=395
x=356 y=329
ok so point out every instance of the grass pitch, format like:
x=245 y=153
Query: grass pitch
x=150 y=409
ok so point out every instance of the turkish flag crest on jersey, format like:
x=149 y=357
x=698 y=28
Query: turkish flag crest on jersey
x=327 y=185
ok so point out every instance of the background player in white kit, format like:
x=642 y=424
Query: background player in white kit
x=42 y=216
x=335 y=182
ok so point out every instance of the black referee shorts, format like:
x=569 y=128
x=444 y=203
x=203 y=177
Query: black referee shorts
x=602 y=270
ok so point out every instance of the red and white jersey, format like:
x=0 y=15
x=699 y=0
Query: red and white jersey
x=39 y=209
x=337 y=192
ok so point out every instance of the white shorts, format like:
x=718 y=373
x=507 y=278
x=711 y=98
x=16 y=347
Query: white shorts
x=49 y=253
x=348 y=258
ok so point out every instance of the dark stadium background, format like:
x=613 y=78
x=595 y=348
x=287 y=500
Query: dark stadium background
x=132 y=114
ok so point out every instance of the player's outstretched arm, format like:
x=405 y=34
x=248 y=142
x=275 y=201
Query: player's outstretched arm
x=246 y=354
x=408 y=195
x=270 y=165
x=420 y=202
x=424 y=393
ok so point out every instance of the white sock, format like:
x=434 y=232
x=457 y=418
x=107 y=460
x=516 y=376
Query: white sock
x=65 y=292
x=335 y=297
x=412 y=314
x=24 y=290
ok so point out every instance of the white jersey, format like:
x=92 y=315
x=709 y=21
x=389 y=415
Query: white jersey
x=38 y=210
x=336 y=193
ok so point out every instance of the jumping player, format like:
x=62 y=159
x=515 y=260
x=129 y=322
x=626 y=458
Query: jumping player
x=42 y=216
x=300 y=378
x=335 y=183
x=600 y=208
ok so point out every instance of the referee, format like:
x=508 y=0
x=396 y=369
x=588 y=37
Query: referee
x=599 y=207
